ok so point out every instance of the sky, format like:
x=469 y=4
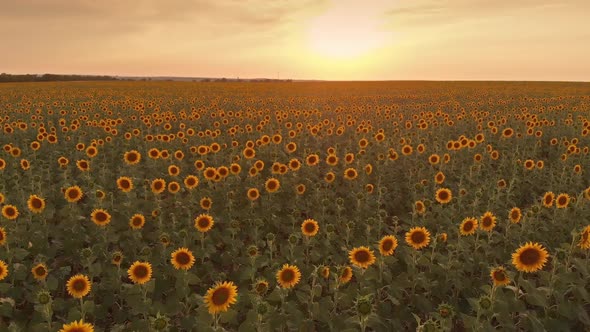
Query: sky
x=300 y=39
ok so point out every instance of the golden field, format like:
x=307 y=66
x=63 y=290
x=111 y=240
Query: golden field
x=319 y=206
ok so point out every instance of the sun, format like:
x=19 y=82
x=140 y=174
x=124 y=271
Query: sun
x=338 y=34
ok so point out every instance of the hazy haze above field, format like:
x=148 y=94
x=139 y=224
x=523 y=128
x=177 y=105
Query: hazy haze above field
x=312 y=39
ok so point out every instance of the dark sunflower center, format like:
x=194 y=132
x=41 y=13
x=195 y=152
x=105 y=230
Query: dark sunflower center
x=191 y=182
x=137 y=221
x=158 y=185
x=10 y=211
x=562 y=200
x=443 y=195
x=183 y=258
x=73 y=194
x=79 y=285
x=125 y=183
x=76 y=329
x=548 y=199
x=499 y=276
x=220 y=296
x=132 y=157
x=530 y=256
x=350 y=174
x=203 y=222
x=387 y=245
x=486 y=222
x=272 y=185
x=515 y=215
x=101 y=216
x=36 y=203
x=140 y=271
x=418 y=237
x=40 y=271
x=362 y=256
x=309 y=227
x=173 y=187
x=288 y=275
x=345 y=273
x=468 y=226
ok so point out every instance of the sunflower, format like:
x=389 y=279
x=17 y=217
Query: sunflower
x=312 y=159
x=345 y=275
x=387 y=245
x=137 y=221
x=434 y=159
x=173 y=170
x=83 y=165
x=261 y=287
x=253 y=194
x=272 y=185
x=362 y=257
x=173 y=187
x=350 y=174
x=77 y=326
x=79 y=286
x=10 y=212
x=310 y=227
x=468 y=226
x=117 y=258
x=419 y=207
x=288 y=276
x=548 y=199
x=329 y=177
x=585 y=238
x=3 y=270
x=182 y=259
x=499 y=276
x=191 y=182
x=220 y=297
x=530 y=257
x=300 y=189
x=332 y=160
x=439 y=178
x=515 y=215
x=125 y=184
x=325 y=272
x=132 y=157
x=488 y=221
x=206 y=203
x=2 y=236
x=210 y=173
x=562 y=201
x=204 y=223
x=140 y=272
x=418 y=237
x=36 y=204
x=73 y=194
x=235 y=169
x=158 y=186
x=39 y=271
x=100 y=217
x=443 y=195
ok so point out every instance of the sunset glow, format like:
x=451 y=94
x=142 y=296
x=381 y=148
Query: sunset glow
x=308 y=39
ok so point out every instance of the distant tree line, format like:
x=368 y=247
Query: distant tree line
x=52 y=77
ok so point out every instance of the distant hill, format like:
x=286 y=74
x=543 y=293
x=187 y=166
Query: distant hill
x=58 y=77
x=52 y=78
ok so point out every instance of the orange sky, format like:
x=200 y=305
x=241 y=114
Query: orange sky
x=307 y=39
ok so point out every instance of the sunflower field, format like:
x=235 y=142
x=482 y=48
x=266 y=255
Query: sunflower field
x=318 y=206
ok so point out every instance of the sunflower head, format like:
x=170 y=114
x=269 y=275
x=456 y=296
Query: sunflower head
x=288 y=276
x=39 y=271
x=3 y=270
x=73 y=194
x=79 y=286
x=125 y=184
x=548 y=199
x=418 y=237
x=36 y=204
x=362 y=257
x=272 y=185
x=310 y=227
x=221 y=296
x=443 y=195
x=530 y=257
x=345 y=275
x=140 y=272
x=204 y=223
x=499 y=276
x=562 y=201
x=100 y=217
x=468 y=226
x=10 y=212
x=515 y=215
x=387 y=245
x=488 y=221
x=77 y=326
x=182 y=259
